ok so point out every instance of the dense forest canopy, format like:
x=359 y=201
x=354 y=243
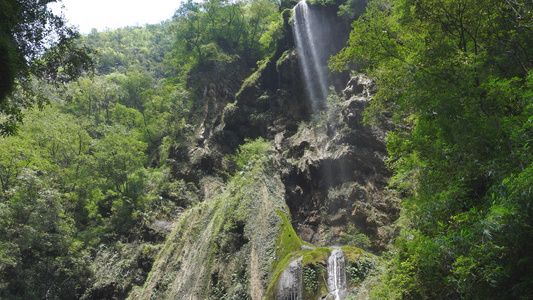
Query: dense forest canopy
x=89 y=172
x=455 y=76
x=87 y=185
x=221 y=30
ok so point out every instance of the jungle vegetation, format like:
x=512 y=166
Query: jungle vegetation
x=84 y=176
x=455 y=77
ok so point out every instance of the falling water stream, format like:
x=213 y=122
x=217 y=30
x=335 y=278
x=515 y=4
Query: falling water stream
x=337 y=274
x=313 y=34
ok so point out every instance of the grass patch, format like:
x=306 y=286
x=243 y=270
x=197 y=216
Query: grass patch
x=288 y=241
x=252 y=79
x=289 y=246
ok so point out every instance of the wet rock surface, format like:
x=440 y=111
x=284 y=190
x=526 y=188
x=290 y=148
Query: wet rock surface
x=332 y=164
x=290 y=286
x=336 y=176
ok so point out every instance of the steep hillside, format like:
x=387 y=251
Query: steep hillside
x=225 y=246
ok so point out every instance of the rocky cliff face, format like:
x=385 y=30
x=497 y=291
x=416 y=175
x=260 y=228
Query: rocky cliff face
x=336 y=178
x=323 y=182
x=332 y=165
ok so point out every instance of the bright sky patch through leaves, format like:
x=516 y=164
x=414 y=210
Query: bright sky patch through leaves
x=112 y=14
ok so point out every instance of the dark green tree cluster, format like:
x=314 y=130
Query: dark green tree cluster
x=63 y=191
x=455 y=76
x=77 y=176
x=141 y=48
x=224 y=31
x=84 y=179
x=34 y=43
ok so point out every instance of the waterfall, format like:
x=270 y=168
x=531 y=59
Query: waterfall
x=314 y=39
x=316 y=36
x=337 y=275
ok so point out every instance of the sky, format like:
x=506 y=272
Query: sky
x=111 y=14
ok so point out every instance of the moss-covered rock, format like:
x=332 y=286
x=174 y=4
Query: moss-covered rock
x=314 y=270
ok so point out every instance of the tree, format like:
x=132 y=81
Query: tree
x=260 y=14
x=221 y=30
x=118 y=160
x=95 y=96
x=38 y=168
x=455 y=77
x=34 y=43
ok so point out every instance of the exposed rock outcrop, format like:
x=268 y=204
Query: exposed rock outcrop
x=333 y=164
x=290 y=284
x=337 y=175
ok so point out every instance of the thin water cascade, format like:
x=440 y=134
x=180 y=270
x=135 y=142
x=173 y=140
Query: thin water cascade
x=312 y=32
x=337 y=275
x=314 y=36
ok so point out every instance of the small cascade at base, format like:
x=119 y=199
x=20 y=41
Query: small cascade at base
x=290 y=286
x=337 y=275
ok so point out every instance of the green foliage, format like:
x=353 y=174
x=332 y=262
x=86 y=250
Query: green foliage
x=116 y=268
x=36 y=239
x=310 y=278
x=62 y=192
x=118 y=160
x=360 y=269
x=351 y=9
x=252 y=152
x=322 y=2
x=222 y=31
x=240 y=287
x=138 y=48
x=237 y=219
x=34 y=43
x=454 y=76
x=314 y=271
x=354 y=238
